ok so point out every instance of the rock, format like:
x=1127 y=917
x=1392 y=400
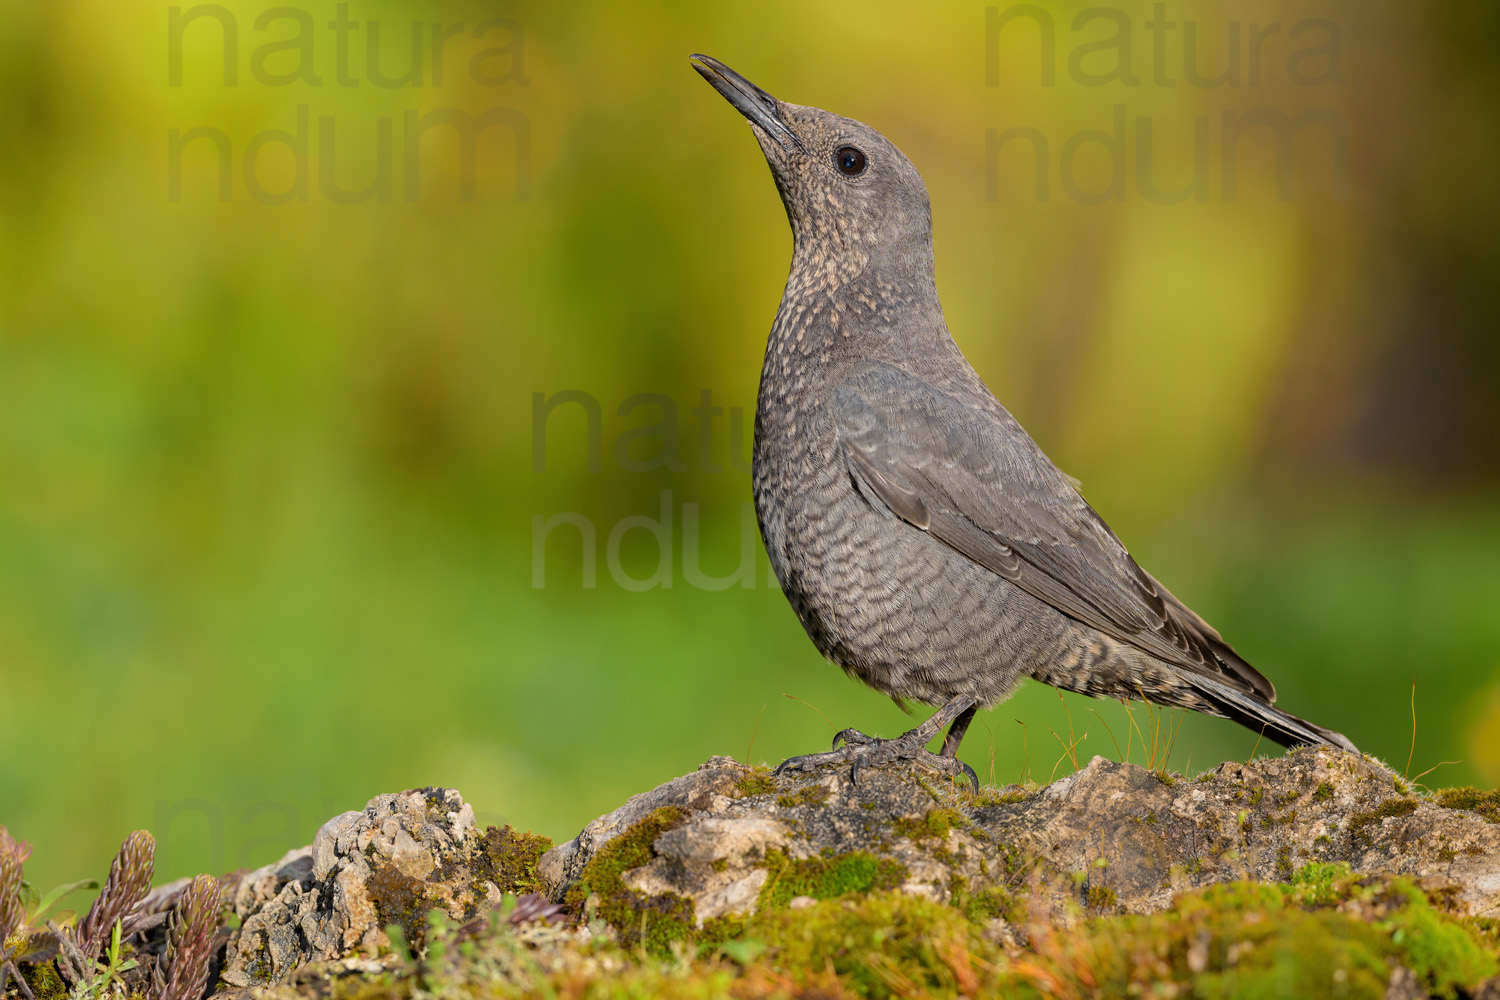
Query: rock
x=691 y=860
x=728 y=839
x=402 y=856
x=708 y=789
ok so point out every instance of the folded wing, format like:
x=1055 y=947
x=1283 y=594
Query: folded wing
x=965 y=471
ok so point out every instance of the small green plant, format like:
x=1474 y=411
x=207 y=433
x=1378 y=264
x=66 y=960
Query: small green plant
x=40 y=908
x=108 y=971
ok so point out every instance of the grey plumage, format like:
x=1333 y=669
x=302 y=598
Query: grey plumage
x=926 y=543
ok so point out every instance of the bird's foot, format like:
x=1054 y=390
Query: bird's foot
x=860 y=751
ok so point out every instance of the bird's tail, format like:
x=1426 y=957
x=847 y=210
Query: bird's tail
x=1265 y=718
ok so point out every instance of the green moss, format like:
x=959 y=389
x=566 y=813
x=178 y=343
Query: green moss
x=1321 y=883
x=1284 y=863
x=982 y=906
x=1486 y=930
x=997 y=797
x=1276 y=951
x=826 y=877
x=1100 y=897
x=402 y=901
x=1255 y=796
x=755 y=783
x=881 y=945
x=652 y=922
x=1360 y=835
x=1241 y=939
x=811 y=795
x=510 y=860
x=1324 y=792
x=717 y=930
x=1166 y=778
x=1486 y=804
x=935 y=825
x=1442 y=953
x=44 y=981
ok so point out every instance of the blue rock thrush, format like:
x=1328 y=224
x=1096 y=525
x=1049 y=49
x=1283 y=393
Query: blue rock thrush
x=926 y=543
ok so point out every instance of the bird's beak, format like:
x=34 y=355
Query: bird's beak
x=755 y=104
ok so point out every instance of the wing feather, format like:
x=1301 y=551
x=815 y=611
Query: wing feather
x=965 y=471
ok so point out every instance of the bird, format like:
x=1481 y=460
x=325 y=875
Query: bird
x=927 y=544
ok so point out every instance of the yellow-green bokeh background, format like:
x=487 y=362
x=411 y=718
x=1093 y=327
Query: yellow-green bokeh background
x=266 y=471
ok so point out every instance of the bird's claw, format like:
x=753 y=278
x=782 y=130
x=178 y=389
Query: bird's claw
x=853 y=738
x=860 y=751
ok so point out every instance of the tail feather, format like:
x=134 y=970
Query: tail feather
x=1265 y=718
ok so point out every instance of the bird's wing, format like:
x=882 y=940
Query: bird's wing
x=966 y=472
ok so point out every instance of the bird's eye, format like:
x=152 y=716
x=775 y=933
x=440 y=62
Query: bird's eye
x=850 y=161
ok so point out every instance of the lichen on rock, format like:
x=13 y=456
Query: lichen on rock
x=389 y=865
x=1113 y=836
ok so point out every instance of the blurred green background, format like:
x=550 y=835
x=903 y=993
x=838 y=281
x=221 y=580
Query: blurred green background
x=268 y=471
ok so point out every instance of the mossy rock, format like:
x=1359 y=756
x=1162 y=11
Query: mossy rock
x=1249 y=878
x=1136 y=837
x=1327 y=933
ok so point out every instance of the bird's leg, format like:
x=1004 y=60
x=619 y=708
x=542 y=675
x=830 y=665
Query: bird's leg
x=860 y=751
x=956 y=732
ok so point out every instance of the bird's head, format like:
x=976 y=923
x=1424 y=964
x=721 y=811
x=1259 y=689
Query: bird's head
x=846 y=187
